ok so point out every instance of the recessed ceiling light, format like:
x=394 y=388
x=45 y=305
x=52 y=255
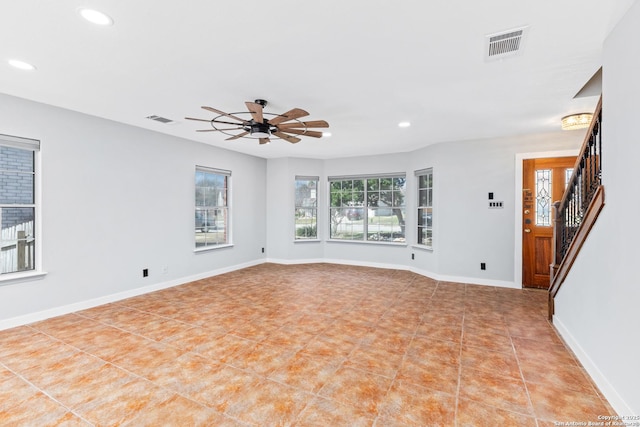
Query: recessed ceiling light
x=326 y=134
x=404 y=124
x=21 y=65
x=95 y=17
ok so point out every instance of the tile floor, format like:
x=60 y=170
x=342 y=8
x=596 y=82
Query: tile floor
x=307 y=345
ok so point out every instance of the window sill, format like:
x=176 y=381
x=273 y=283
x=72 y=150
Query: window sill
x=212 y=248
x=368 y=242
x=11 y=278
x=307 y=241
x=423 y=247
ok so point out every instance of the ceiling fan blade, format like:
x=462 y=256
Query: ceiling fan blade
x=240 y=135
x=255 y=110
x=310 y=124
x=296 y=113
x=264 y=140
x=312 y=133
x=291 y=139
x=215 y=130
x=213 y=110
x=225 y=123
x=200 y=120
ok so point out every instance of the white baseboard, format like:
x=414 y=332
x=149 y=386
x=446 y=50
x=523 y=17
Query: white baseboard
x=366 y=264
x=469 y=280
x=83 y=305
x=294 y=261
x=426 y=273
x=615 y=400
x=340 y=262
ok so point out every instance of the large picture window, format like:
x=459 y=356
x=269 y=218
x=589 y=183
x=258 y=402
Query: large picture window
x=368 y=208
x=425 y=207
x=17 y=204
x=306 y=208
x=212 y=207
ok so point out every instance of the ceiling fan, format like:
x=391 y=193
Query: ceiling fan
x=257 y=125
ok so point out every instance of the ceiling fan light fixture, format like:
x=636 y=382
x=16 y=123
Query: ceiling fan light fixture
x=262 y=125
x=260 y=130
x=577 y=121
x=404 y=124
x=326 y=134
x=260 y=134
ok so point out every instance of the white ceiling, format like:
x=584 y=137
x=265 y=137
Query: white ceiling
x=362 y=65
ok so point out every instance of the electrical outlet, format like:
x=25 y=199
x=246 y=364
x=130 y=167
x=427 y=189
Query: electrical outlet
x=262 y=250
x=413 y=256
x=496 y=205
x=165 y=270
x=145 y=272
x=483 y=266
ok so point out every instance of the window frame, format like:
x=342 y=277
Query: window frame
x=226 y=208
x=32 y=145
x=424 y=208
x=298 y=207
x=362 y=208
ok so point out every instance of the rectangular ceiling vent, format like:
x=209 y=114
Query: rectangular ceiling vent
x=504 y=44
x=160 y=119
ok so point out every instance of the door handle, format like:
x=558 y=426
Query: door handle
x=527 y=230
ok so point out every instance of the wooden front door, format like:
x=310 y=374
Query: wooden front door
x=543 y=183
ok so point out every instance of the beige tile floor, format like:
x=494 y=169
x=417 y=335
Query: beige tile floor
x=307 y=345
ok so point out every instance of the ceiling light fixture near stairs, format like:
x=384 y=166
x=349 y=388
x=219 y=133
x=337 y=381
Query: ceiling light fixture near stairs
x=577 y=121
x=256 y=125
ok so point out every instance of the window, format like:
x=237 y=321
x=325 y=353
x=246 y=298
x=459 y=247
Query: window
x=543 y=197
x=306 y=209
x=567 y=177
x=212 y=207
x=425 y=207
x=17 y=204
x=368 y=208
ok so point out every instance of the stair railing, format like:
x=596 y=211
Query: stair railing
x=579 y=207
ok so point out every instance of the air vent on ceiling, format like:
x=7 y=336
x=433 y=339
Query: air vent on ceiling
x=160 y=119
x=504 y=44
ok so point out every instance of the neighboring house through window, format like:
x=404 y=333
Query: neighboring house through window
x=306 y=208
x=368 y=208
x=211 y=207
x=17 y=204
x=425 y=207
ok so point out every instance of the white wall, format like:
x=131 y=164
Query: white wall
x=117 y=199
x=281 y=244
x=466 y=231
x=598 y=306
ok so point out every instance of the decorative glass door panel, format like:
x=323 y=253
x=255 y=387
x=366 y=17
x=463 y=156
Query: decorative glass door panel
x=544 y=182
